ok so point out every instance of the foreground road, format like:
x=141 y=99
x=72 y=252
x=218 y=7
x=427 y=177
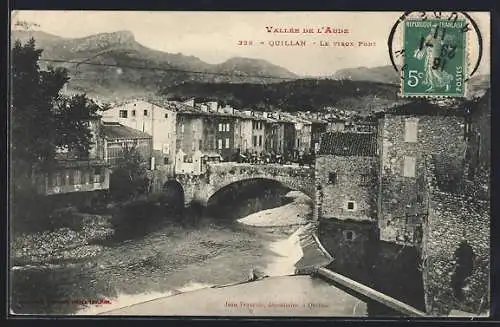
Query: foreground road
x=273 y=296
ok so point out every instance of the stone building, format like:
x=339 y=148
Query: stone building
x=273 y=135
x=318 y=127
x=156 y=117
x=335 y=124
x=119 y=138
x=73 y=171
x=258 y=133
x=406 y=134
x=346 y=180
x=242 y=131
x=302 y=134
x=455 y=250
x=478 y=134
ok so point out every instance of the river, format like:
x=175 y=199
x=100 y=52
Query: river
x=163 y=258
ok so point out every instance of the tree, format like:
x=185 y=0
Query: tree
x=41 y=120
x=33 y=96
x=72 y=129
x=129 y=178
x=44 y=120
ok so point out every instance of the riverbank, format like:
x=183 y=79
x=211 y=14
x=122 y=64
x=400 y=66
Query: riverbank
x=72 y=236
x=156 y=257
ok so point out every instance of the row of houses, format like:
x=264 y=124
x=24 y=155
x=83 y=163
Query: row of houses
x=186 y=135
x=182 y=137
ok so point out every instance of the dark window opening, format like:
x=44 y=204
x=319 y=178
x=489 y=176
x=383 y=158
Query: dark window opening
x=332 y=178
x=165 y=161
x=145 y=112
x=123 y=113
x=464 y=258
x=166 y=115
x=349 y=235
x=133 y=113
x=350 y=205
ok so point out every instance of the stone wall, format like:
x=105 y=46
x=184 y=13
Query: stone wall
x=355 y=181
x=450 y=281
x=352 y=253
x=221 y=175
x=402 y=199
x=200 y=188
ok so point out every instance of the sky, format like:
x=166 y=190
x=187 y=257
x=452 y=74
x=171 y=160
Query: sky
x=214 y=36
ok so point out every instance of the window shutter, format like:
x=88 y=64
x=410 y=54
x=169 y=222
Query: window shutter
x=409 y=166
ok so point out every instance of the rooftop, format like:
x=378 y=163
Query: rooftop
x=441 y=107
x=348 y=144
x=116 y=131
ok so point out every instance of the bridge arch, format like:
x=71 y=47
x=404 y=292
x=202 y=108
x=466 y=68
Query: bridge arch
x=173 y=193
x=286 y=183
x=247 y=196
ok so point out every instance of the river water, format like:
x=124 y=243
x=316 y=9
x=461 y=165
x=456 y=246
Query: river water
x=163 y=258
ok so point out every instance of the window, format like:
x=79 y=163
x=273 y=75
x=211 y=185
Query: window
x=409 y=166
x=200 y=144
x=166 y=115
x=228 y=127
x=349 y=235
x=193 y=145
x=220 y=127
x=86 y=177
x=182 y=128
x=260 y=140
x=227 y=143
x=97 y=175
x=255 y=140
x=56 y=180
x=298 y=143
x=77 y=177
x=133 y=113
x=166 y=148
x=411 y=130
x=219 y=144
x=123 y=114
x=66 y=177
x=165 y=160
x=351 y=206
x=145 y=113
x=332 y=178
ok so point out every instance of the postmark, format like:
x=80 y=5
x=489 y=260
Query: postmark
x=436 y=60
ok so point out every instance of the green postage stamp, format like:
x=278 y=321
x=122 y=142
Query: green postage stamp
x=435 y=58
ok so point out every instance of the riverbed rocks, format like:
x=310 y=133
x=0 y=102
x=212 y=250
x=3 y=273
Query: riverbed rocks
x=68 y=240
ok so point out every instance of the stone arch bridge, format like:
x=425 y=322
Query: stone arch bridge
x=199 y=188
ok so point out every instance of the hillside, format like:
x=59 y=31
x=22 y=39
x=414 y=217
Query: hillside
x=382 y=74
x=304 y=94
x=122 y=66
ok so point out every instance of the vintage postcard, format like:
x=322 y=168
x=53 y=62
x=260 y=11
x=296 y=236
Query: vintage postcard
x=250 y=163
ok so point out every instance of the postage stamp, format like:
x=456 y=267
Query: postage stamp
x=435 y=61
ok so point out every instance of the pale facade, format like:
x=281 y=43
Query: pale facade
x=149 y=118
